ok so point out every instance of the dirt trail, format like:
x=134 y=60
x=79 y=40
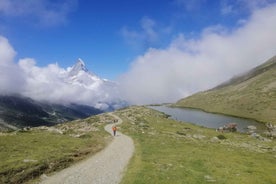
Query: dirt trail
x=106 y=167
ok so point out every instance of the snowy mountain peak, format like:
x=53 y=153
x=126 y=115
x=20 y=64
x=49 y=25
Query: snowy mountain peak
x=79 y=66
x=80 y=62
x=79 y=75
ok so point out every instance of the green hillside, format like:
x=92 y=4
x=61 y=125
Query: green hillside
x=27 y=154
x=252 y=95
x=166 y=151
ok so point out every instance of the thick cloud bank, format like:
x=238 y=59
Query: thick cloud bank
x=52 y=83
x=191 y=65
x=11 y=76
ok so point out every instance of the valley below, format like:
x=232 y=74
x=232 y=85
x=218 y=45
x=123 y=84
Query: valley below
x=165 y=149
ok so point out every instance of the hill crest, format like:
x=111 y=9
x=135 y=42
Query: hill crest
x=250 y=74
x=251 y=95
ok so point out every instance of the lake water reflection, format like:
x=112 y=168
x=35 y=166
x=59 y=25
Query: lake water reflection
x=209 y=120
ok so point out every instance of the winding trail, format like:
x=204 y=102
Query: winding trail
x=105 y=167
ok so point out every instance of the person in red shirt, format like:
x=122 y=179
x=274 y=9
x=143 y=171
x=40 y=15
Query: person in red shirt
x=114 y=129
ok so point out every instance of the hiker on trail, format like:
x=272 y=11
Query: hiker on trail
x=114 y=128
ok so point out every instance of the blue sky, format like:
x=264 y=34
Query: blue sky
x=109 y=34
x=167 y=46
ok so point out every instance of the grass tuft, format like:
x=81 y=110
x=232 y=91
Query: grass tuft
x=221 y=137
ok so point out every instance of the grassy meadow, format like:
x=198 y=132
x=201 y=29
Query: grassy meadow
x=25 y=155
x=167 y=151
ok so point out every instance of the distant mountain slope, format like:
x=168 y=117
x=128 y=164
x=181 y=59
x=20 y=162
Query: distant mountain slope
x=90 y=95
x=19 y=112
x=251 y=74
x=252 y=95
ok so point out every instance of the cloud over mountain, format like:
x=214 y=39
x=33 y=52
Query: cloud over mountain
x=189 y=65
x=53 y=83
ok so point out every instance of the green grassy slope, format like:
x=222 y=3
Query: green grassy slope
x=252 y=95
x=167 y=151
x=25 y=155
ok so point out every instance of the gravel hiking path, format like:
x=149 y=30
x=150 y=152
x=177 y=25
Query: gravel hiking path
x=105 y=167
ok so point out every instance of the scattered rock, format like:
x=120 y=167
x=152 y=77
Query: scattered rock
x=43 y=177
x=26 y=128
x=255 y=135
x=209 y=178
x=29 y=160
x=50 y=129
x=55 y=130
x=215 y=139
x=270 y=134
x=230 y=127
x=198 y=136
x=251 y=127
x=264 y=139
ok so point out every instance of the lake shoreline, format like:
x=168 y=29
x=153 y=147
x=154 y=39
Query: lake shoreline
x=209 y=119
x=215 y=112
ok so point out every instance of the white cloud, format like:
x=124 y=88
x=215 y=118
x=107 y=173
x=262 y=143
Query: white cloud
x=148 y=26
x=189 y=5
x=147 y=36
x=7 y=53
x=11 y=77
x=235 y=7
x=191 y=65
x=43 y=12
x=51 y=83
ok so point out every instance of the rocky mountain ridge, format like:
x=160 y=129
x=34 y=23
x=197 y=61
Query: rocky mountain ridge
x=19 y=112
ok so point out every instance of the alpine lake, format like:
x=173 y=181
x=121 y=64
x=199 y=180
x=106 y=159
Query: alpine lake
x=210 y=120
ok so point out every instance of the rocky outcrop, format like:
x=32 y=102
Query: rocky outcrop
x=271 y=130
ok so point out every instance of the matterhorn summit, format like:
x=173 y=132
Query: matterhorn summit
x=80 y=75
x=78 y=67
x=55 y=95
x=102 y=93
